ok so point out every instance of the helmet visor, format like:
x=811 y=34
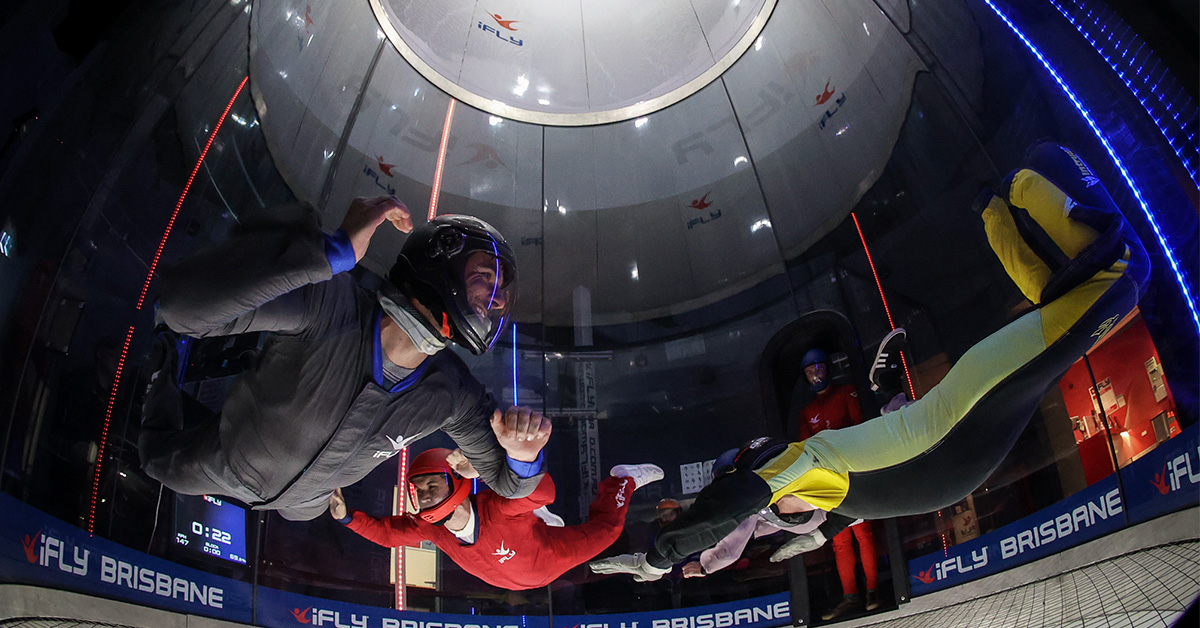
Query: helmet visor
x=486 y=296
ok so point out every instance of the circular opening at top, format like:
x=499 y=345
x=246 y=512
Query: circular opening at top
x=571 y=63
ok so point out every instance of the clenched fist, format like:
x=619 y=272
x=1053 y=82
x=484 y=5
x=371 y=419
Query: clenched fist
x=521 y=432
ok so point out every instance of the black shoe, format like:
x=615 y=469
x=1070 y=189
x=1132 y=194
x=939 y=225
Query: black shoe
x=887 y=358
x=872 y=599
x=849 y=604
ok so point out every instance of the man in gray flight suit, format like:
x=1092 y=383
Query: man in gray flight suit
x=347 y=377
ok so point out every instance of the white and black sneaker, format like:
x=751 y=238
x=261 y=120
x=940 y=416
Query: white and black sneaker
x=887 y=358
x=642 y=474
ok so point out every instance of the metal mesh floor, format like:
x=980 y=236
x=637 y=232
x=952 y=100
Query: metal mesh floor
x=1145 y=589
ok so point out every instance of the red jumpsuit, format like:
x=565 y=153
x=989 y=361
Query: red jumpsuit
x=834 y=409
x=513 y=549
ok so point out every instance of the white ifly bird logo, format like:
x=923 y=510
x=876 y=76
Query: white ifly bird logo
x=397 y=445
x=504 y=553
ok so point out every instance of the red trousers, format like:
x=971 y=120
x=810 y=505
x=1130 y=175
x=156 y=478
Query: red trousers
x=843 y=554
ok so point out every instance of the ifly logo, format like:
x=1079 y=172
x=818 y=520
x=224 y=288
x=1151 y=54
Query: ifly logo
x=1105 y=326
x=504 y=553
x=825 y=95
x=47 y=551
x=326 y=617
x=829 y=113
x=1176 y=470
x=943 y=570
x=621 y=498
x=486 y=155
x=385 y=167
x=702 y=202
x=505 y=25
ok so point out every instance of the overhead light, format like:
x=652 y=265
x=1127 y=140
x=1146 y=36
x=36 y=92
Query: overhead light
x=741 y=159
x=640 y=122
x=761 y=224
x=562 y=209
x=634 y=273
x=283 y=73
x=494 y=120
x=522 y=85
x=758 y=43
x=866 y=29
x=6 y=242
x=393 y=107
x=328 y=154
x=543 y=101
x=842 y=130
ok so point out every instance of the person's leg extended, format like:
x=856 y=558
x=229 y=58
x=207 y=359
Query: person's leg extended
x=936 y=451
x=865 y=534
x=843 y=557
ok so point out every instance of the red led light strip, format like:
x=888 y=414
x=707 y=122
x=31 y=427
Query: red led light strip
x=437 y=174
x=171 y=223
x=112 y=395
x=903 y=361
x=112 y=401
x=402 y=484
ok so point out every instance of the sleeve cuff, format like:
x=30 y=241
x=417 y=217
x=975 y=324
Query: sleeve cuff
x=526 y=469
x=339 y=251
x=347 y=519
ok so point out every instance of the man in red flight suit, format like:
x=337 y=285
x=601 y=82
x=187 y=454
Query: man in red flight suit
x=833 y=408
x=500 y=541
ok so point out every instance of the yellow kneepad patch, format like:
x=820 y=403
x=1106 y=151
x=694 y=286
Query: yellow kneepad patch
x=822 y=488
x=1047 y=204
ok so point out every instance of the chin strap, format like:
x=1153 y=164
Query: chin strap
x=400 y=309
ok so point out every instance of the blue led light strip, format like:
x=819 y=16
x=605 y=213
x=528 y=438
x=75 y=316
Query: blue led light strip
x=1170 y=254
x=514 y=350
x=1171 y=114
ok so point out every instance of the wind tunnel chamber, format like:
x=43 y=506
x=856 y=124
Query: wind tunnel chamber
x=696 y=194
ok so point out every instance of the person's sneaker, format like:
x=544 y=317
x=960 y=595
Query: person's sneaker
x=872 y=599
x=642 y=474
x=887 y=357
x=848 y=605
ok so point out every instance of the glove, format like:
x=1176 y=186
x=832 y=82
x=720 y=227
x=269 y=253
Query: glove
x=799 y=545
x=633 y=564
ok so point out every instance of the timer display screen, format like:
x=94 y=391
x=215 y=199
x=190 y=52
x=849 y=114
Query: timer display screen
x=212 y=526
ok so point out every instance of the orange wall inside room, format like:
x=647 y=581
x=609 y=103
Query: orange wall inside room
x=1121 y=358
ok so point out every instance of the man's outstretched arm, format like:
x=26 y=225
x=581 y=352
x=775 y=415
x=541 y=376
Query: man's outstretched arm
x=388 y=531
x=254 y=281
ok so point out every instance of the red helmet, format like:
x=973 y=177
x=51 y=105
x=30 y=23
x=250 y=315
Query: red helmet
x=434 y=461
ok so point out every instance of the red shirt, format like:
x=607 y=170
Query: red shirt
x=513 y=548
x=834 y=409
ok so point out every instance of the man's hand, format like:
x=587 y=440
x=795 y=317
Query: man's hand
x=521 y=432
x=632 y=564
x=366 y=214
x=337 y=504
x=461 y=465
x=693 y=570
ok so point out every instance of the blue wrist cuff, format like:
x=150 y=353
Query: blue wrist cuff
x=339 y=252
x=347 y=519
x=526 y=469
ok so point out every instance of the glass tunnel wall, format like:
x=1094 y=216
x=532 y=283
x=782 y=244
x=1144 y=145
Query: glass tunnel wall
x=673 y=269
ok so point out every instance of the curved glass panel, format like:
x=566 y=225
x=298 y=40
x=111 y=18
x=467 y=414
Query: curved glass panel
x=675 y=266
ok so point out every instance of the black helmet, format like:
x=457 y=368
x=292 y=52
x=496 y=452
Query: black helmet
x=471 y=294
